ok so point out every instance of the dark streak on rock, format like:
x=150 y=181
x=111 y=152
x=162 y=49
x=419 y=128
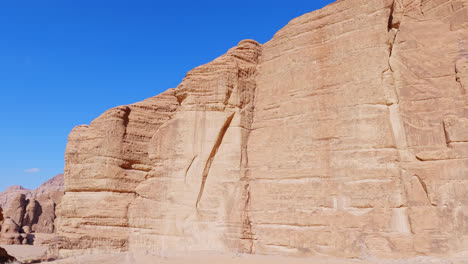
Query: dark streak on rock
x=210 y=159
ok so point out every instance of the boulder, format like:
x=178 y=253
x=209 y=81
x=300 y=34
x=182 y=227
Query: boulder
x=5 y=257
x=7 y=196
x=46 y=218
x=17 y=209
x=31 y=216
x=10 y=226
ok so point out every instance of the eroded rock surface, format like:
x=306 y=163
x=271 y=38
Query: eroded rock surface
x=7 y=196
x=30 y=212
x=345 y=135
x=17 y=209
x=47 y=197
x=5 y=257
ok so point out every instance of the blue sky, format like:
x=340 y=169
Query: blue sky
x=64 y=62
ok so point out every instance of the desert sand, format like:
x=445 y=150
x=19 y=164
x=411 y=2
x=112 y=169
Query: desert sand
x=26 y=253
x=33 y=254
x=217 y=258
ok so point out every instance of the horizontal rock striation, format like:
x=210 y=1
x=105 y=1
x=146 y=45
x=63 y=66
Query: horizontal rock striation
x=345 y=135
x=140 y=176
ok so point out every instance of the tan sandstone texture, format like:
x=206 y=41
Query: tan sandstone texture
x=346 y=135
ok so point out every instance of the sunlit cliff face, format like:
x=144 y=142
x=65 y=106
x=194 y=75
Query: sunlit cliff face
x=345 y=135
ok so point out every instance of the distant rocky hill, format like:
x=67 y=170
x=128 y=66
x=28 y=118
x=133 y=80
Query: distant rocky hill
x=52 y=187
x=29 y=212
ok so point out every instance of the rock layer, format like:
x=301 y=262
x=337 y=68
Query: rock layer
x=345 y=135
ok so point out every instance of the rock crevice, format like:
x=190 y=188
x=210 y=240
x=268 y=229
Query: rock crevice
x=344 y=135
x=211 y=157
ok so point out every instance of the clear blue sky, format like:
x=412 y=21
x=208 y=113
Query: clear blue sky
x=64 y=62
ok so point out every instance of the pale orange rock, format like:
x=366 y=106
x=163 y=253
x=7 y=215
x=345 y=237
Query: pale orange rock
x=345 y=135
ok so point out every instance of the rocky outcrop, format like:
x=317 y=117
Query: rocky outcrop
x=13 y=219
x=46 y=198
x=51 y=189
x=30 y=212
x=17 y=209
x=31 y=216
x=7 y=196
x=345 y=135
x=5 y=257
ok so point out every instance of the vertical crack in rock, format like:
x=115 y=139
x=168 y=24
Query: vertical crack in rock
x=390 y=18
x=387 y=75
x=393 y=21
x=393 y=25
x=247 y=228
x=247 y=232
x=188 y=168
x=126 y=243
x=126 y=120
x=126 y=115
x=210 y=159
x=447 y=139
x=423 y=185
x=230 y=88
x=393 y=104
x=247 y=223
x=459 y=81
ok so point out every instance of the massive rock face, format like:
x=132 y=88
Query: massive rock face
x=345 y=135
x=146 y=170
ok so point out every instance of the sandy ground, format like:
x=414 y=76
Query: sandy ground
x=28 y=253
x=25 y=253
x=205 y=258
x=216 y=258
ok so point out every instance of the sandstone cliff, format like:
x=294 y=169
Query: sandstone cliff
x=345 y=135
